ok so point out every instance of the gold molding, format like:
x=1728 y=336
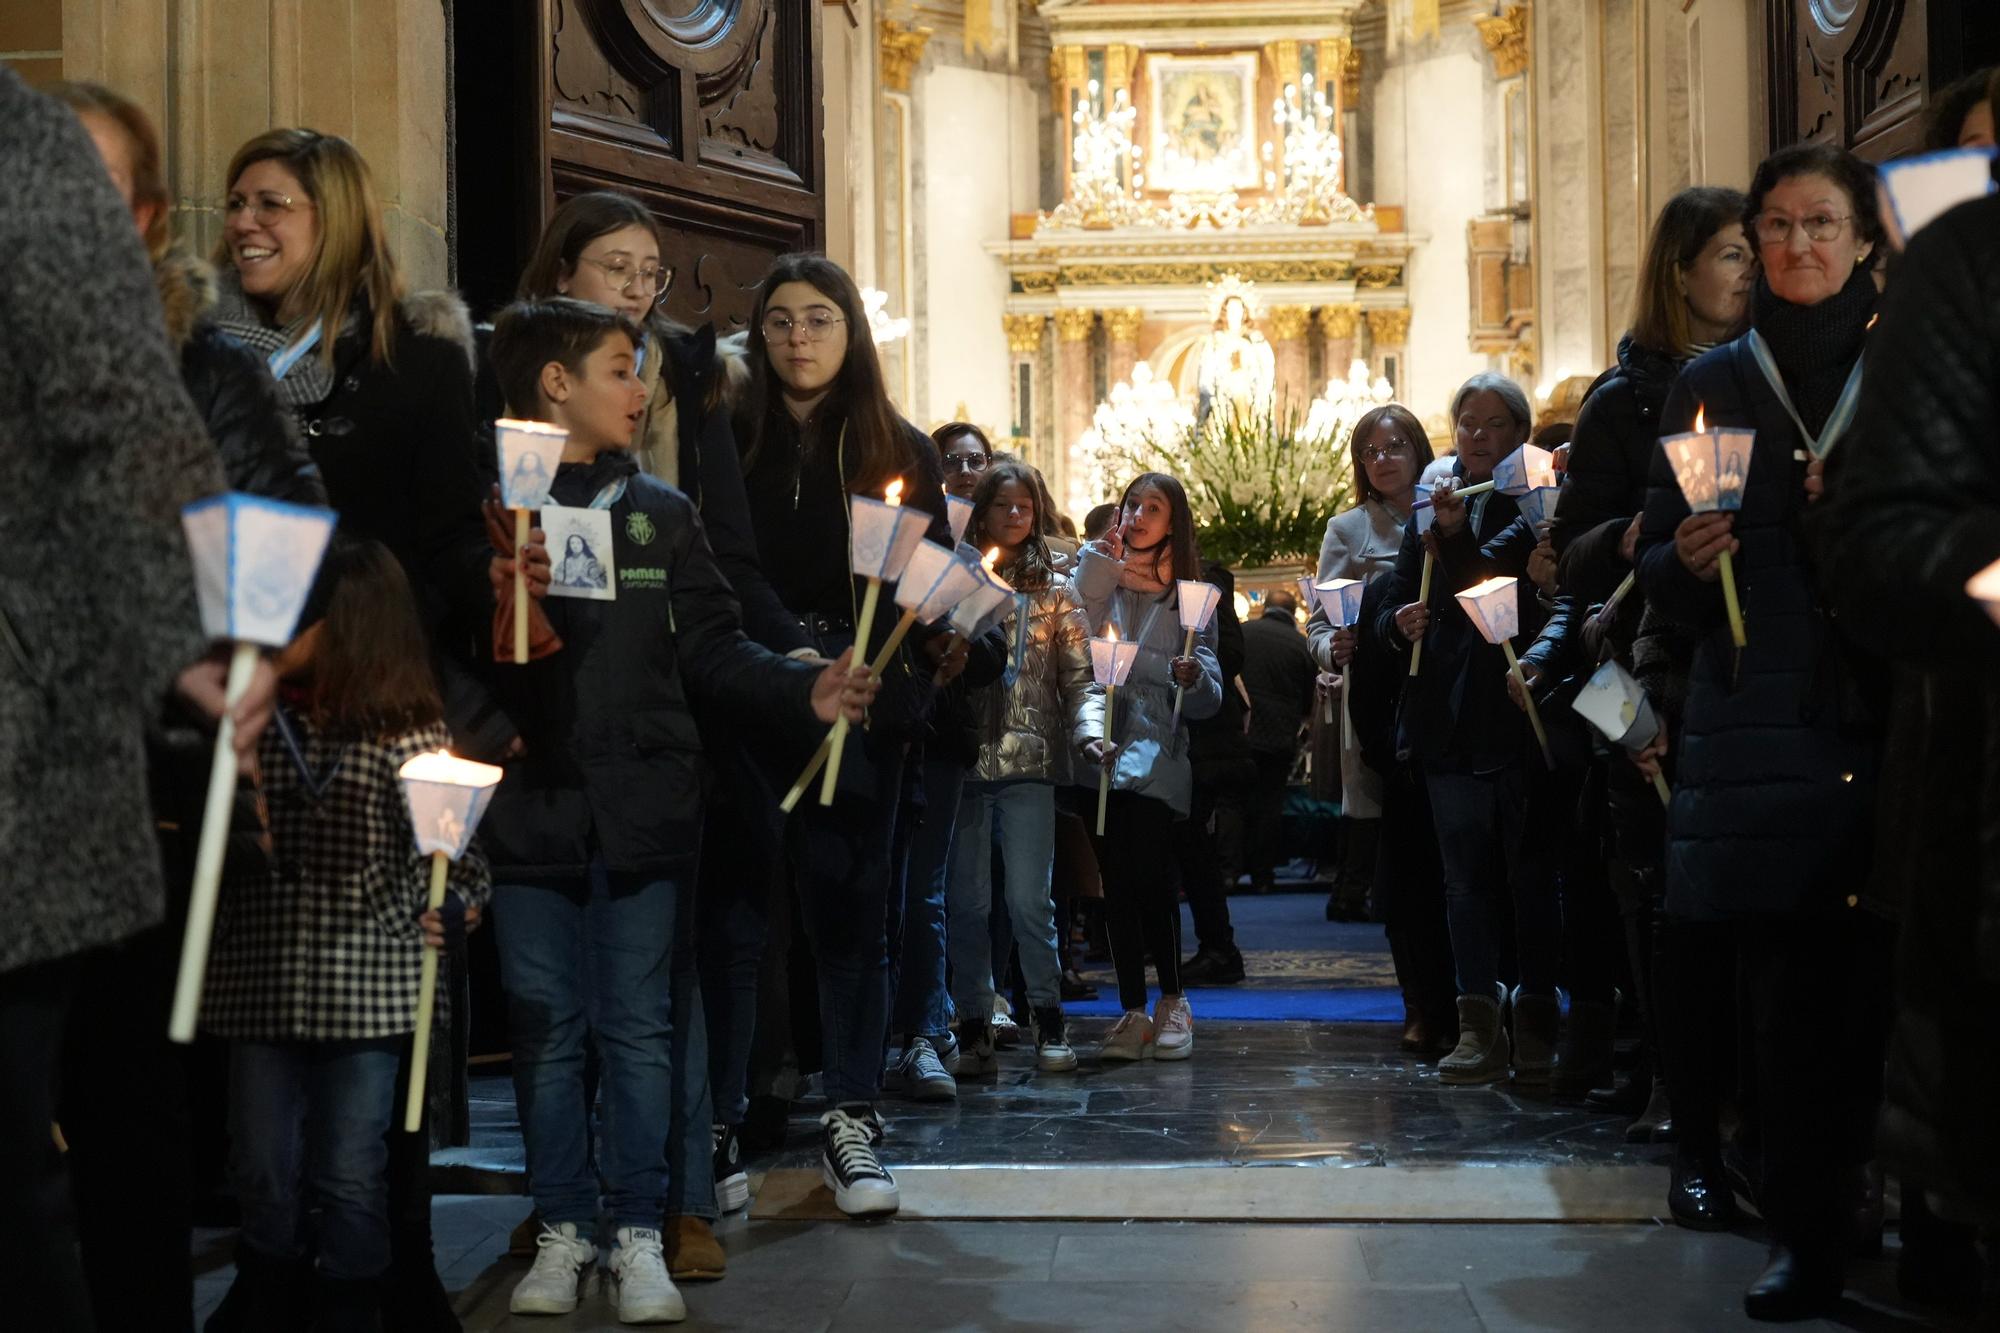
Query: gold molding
x=1287 y=322
x=1122 y=325
x=1121 y=64
x=1181 y=273
x=902 y=51
x=1337 y=321
x=1036 y=282
x=1024 y=333
x=1285 y=62
x=1389 y=328
x=1074 y=326
x=1377 y=276
x=1506 y=38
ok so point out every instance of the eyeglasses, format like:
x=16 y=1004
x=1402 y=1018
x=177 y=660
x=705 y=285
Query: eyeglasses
x=818 y=324
x=1383 y=453
x=652 y=281
x=973 y=462
x=1776 y=228
x=265 y=209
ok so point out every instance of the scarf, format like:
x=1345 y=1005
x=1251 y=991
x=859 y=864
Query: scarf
x=1815 y=346
x=308 y=379
x=1142 y=580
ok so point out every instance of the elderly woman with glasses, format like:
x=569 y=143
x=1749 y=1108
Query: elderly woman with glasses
x=1770 y=826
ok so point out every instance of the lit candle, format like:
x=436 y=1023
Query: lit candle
x=1712 y=467
x=1110 y=662
x=882 y=538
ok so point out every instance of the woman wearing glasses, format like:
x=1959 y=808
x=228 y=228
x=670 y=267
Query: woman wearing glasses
x=1770 y=824
x=818 y=428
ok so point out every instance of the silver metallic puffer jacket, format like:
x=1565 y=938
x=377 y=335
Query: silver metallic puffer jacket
x=1030 y=731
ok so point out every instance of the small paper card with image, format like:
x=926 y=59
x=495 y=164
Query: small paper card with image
x=530 y=452
x=254 y=564
x=580 y=553
x=1612 y=701
x=1916 y=191
x=884 y=536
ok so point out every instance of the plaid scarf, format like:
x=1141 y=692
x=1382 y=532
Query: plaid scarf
x=308 y=380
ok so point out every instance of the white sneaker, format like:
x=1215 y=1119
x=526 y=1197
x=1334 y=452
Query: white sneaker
x=1130 y=1039
x=1006 y=1032
x=921 y=1076
x=646 y=1295
x=551 y=1285
x=849 y=1167
x=1173 y=1028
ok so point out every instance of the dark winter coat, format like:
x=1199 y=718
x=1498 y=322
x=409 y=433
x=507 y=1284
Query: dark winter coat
x=1456 y=714
x=1611 y=453
x=1913 y=510
x=1776 y=769
x=612 y=763
x=101 y=449
x=1217 y=748
x=1278 y=671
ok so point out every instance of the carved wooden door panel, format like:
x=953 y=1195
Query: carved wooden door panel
x=709 y=111
x=1859 y=73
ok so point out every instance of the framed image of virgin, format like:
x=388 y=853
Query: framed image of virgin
x=1204 y=123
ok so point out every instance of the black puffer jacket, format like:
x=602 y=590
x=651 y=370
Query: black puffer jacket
x=1611 y=453
x=1777 y=754
x=1913 y=510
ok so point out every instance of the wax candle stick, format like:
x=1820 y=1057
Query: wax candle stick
x=1424 y=516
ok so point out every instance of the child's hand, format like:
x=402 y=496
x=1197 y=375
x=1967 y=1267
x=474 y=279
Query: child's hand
x=500 y=572
x=1187 y=671
x=1102 y=753
x=1114 y=540
x=843 y=690
x=449 y=925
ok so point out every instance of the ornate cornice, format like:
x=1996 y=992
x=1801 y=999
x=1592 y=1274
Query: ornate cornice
x=1024 y=332
x=1073 y=326
x=1506 y=38
x=1389 y=328
x=1338 y=321
x=1122 y=325
x=1286 y=322
x=902 y=52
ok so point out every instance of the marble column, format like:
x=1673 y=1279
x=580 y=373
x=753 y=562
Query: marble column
x=1336 y=325
x=1121 y=343
x=1286 y=325
x=1074 y=400
x=1025 y=387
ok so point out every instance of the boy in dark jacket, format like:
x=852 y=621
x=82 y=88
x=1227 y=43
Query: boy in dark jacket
x=594 y=832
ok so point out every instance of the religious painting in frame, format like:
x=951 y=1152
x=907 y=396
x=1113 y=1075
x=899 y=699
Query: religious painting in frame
x=1203 y=122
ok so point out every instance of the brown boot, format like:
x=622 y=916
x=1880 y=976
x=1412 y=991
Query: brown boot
x=693 y=1253
x=1482 y=1052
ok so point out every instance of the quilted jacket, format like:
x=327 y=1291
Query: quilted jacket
x=1030 y=729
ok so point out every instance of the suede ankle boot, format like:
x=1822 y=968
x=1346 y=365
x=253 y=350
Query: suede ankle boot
x=1481 y=1055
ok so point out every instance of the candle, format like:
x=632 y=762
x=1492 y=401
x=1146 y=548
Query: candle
x=1712 y=467
x=530 y=452
x=882 y=536
x=1341 y=600
x=1111 y=662
x=1425 y=516
x=1494 y=609
x=1198 y=603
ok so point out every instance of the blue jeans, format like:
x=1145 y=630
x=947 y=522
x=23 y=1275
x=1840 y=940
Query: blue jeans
x=592 y=957
x=1489 y=849
x=922 y=1003
x=308 y=1120
x=1023 y=816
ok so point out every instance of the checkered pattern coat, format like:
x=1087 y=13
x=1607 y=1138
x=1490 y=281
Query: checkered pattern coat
x=326 y=947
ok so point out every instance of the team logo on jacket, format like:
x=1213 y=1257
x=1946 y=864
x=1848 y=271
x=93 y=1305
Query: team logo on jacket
x=640 y=528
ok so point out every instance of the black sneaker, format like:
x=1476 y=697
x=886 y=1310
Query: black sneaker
x=732 y=1182
x=1053 y=1053
x=848 y=1164
x=1212 y=967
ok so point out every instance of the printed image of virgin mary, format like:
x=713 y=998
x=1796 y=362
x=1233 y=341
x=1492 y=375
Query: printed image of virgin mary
x=530 y=478
x=579 y=566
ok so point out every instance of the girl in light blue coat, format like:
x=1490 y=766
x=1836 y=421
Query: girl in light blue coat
x=1125 y=581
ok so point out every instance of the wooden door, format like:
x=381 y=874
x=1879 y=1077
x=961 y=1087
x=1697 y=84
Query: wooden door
x=707 y=110
x=1860 y=73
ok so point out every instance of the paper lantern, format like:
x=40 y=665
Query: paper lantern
x=1198 y=603
x=958 y=513
x=1539 y=505
x=530 y=453
x=1921 y=189
x=446 y=796
x=1527 y=468
x=1341 y=600
x=1712 y=466
x=884 y=536
x=1306 y=595
x=1985 y=585
x=1495 y=607
x=934 y=581
x=988 y=595
x=1612 y=702
x=254 y=562
x=1111 y=660
x=1425 y=513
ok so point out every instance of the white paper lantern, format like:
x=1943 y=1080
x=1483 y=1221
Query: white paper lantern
x=1198 y=602
x=958 y=513
x=884 y=536
x=988 y=597
x=447 y=796
x=1524 y=470
x=933 y=582
x=1111 y=660
x=1341 y=600
x=1495 y=607
x=1712 y=466
x=1539 y=505
x=1923 y=188
x=1985 y=586
x=530 y=453
x=254 y=562
x=1612 y=702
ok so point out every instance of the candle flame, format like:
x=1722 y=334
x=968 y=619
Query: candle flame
x=446 y=767
x=1700 y=424
x=992 y=559
x=894 y=495
x=1111 y=633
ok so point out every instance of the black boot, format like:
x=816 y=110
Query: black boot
x=1698 y=1192
x=1939 y=1265
x=1583 y=1057
x=1213 y=967
x=265 y=1297
x=342 y=1305
x=1794 y=1286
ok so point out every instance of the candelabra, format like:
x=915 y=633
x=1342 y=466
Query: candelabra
x=881 y=326
x=1331 y=416
x=1102 y=157
x=1305 y=177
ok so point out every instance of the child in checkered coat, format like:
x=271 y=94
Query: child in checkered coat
x=314 y=971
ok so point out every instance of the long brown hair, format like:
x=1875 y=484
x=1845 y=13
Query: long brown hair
x=1033 y=567
x=1404 y=420
x=351 y=257
x=1687 y=223
x=858 y=395
x=371 y=674
x=1182 y=551
x=149 y=175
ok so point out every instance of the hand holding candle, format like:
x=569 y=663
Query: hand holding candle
x=530 y=452
x=446 y=797
x=1494 y=608
x=1198 y=602
x=1712 y=467
x=882 y=536
x=1340 y=599
x=1111 y=661
x=1425 y=515
x=254 y=562
x=1612 y=702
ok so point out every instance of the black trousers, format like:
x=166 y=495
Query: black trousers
x=1141 y=905
x=46 y=1291
x=1593 y=942
x=1265 y=815
x=1695 y=1010
x=1408 y=895
x=1201 y=873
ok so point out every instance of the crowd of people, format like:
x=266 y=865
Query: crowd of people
x=1814 y=905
